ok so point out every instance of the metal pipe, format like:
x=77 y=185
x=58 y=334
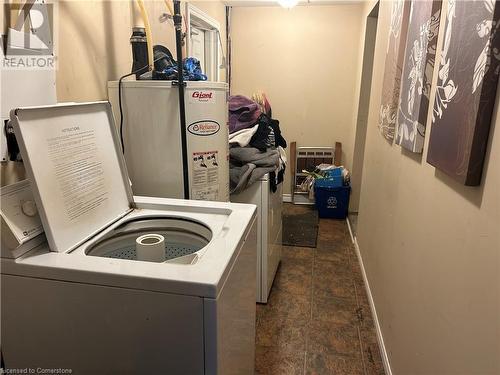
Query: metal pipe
x=182 y=105
x=140 y=57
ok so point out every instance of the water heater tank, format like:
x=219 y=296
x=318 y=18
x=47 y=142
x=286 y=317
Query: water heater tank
x=152 y=138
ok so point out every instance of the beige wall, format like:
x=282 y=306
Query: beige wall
x=93 y=48
x=431 y=249
x=306 y=59
x=94 y=42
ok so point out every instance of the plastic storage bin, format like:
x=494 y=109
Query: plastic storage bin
x=331 y=201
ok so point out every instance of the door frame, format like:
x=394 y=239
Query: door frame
x=371 y=25
x=207 y=23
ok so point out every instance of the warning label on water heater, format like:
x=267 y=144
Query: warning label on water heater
x=205 y=182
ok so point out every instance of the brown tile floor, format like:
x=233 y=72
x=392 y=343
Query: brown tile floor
x=318 y=319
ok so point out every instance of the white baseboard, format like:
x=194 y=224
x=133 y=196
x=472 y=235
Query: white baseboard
x=380 y=337
x=287 y=198
x=350 y=228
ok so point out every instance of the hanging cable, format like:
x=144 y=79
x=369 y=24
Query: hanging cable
x=120 y=104
x=120 y=97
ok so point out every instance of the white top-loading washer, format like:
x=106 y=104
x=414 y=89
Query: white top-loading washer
x=84 y=302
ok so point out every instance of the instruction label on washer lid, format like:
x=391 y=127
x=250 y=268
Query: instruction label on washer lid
x=77 y=173
x=205 y=180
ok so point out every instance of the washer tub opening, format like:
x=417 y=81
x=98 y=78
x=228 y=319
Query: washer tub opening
x=183 y=238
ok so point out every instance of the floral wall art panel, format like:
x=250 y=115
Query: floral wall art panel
x=466 y=89
x=418 y=69
x=394 y=59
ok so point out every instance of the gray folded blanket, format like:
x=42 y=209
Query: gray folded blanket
x=248 y=164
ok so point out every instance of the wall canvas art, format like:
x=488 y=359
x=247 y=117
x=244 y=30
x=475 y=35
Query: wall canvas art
x=418 y=69
x=393 y=66
x=466 y=89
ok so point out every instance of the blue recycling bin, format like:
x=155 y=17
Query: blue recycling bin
x=334 y=177
x=332 y=200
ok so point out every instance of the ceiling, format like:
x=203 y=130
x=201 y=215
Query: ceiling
x=259 y=3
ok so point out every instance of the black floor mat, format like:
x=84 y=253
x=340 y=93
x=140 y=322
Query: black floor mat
x=300 y=226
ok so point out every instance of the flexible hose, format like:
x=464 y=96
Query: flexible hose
x=149 y=35
x=167 y=3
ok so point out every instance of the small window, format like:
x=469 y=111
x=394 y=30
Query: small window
x=203 y=41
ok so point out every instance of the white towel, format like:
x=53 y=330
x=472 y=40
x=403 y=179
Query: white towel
x=242 y=137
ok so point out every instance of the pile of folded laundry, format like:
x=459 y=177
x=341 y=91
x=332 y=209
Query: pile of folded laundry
x=256 y=146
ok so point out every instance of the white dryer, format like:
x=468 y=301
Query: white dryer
x=269 y=231
x=82 y=300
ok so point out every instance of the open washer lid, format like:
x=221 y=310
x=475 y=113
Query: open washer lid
x=78 y=176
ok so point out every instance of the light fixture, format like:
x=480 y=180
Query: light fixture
x=288 y=3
